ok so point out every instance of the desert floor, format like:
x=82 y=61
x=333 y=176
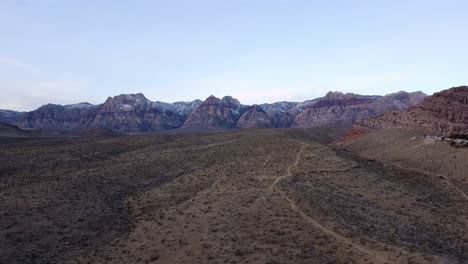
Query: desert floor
x=248 y=196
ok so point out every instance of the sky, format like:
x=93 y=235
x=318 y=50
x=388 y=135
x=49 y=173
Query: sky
x=66 y=51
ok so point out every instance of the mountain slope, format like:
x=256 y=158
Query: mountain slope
x=254 y=117
x=59 y=116
x=8 y=130
x=282 y=114
x=443 y=113
x=10 y=117
x=214 y=114
x=134 y=112
x=339 y=108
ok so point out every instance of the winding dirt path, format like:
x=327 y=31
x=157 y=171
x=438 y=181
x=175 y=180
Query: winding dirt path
x=375 y=256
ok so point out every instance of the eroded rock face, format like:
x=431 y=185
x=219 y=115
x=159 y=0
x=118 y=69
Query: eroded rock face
x=10 y=117
x=443 y=113
x=335 y=108
x=125 y=112
x=134 y=112
x=339 y=108
x=186 y=108
x=254 y=117
x=282 y=114
x=214 y=114
x=400 y=100
x=59 y=116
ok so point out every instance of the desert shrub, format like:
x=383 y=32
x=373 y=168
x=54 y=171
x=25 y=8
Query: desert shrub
x=459 y=136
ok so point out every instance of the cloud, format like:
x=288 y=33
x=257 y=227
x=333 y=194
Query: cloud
x=15 y=63
x=28 y=95
x=31 y=87
x=11 y=106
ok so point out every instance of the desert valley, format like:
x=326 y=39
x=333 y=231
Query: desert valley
x=343 y=178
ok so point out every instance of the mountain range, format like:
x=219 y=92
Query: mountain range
x=136 y=113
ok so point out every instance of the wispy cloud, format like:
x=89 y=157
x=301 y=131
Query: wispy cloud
x=12 y=106
x=29 y=95
x=15 y=63
x=31 y=86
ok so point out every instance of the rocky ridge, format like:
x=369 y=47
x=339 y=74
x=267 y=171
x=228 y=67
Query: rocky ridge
x=59 y=116
x=9 y=116
x=136 y=113
x=215 y=113
x=339 y=108
x=443 y=113
x=255 y=117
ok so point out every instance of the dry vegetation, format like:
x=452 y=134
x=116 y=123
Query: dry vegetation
x=250 y=196
x=413 y=151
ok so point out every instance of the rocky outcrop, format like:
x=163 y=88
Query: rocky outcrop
x=215 y=114
x=443 y=113
x=282 y=114
x=125 y=112
x=185 y=108
x=335 y=108
x=134 y=112
x=254 y=117
x=10 y=117
x=59 y=116
x=339 y=108
x=400 y=100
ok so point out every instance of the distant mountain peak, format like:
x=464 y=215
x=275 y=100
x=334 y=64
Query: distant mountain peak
x=334 y=93
x=229 y=98
x=254 y=117
x=128 y=97
x=340 y=95
x=80 y=105
x=215 y=113
x=232 y=102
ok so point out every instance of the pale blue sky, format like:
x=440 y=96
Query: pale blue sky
x=255 y=50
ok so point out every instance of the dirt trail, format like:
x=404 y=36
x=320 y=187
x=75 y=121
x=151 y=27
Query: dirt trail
x=274 y=188
x=447 y=179
x=200 y=147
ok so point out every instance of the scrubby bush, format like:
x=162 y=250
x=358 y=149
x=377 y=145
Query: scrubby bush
x=459 y=136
